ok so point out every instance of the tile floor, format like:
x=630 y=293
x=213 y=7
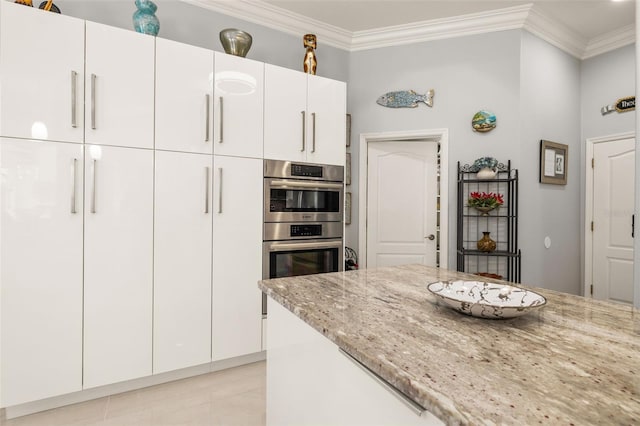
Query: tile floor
x=230 y=397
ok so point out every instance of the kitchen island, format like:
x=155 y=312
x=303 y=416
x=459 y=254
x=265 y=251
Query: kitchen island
x=574 y=361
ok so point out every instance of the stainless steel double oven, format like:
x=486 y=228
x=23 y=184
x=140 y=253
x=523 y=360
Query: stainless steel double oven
x=303 y=219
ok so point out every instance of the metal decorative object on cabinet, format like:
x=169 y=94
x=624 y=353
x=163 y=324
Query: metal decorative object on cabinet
x=504 y=262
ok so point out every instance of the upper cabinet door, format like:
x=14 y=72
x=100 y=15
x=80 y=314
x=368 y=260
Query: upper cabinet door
x=326 y=125
x=184 y=97
x=285 y=104
x=119 y=85
x=238 y=94
x=41 y=74
x=41 y=273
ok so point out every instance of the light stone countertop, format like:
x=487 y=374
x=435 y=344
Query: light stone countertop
x=575 y=361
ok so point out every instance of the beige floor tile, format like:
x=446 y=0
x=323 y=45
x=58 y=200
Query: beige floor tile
x=71 y=415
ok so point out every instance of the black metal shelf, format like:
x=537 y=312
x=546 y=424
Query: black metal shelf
x=503 y=227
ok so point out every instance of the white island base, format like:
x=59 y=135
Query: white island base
x=310 y=381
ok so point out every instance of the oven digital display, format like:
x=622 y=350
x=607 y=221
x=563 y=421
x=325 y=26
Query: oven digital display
x=306 y=170
x=305 y=231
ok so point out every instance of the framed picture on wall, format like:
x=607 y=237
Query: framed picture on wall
x=348 y=130
x=347 y=171
x=347 y=208
x=554 y=159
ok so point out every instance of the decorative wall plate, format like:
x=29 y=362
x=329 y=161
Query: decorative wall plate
x=486 y=300
x=483 y=121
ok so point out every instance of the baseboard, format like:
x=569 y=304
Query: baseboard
x=102 y=391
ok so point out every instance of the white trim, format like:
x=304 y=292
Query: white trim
x=588 y=205
x=156 y=379
x=526 y=17
x=440 y=136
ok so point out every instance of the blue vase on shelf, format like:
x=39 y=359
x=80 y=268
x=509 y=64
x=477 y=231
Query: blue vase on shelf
x=144 y=19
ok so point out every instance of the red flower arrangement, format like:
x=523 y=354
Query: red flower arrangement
x=484 y=199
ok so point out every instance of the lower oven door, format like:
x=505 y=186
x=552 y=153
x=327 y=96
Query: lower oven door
x=302 y=257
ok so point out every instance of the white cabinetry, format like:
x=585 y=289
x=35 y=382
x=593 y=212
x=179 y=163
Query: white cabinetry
x=238 y=117
x=305 y=117
x=119 y=85
x=118 y=264
x=182 y=261
x=184 y=90
x=41 y=273
x=41 y=74
x=237 y=254
x=328 y=386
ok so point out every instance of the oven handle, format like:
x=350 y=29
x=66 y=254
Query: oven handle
x=302 y=246
x=319 y=185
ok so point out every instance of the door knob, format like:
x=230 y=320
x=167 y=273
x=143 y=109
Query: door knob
x=431 y=237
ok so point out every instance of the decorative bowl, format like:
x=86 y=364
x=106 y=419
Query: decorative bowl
x=236 y=42
x=484 y=163
x=486 y=300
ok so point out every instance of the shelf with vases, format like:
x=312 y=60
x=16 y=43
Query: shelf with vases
x=498 y=222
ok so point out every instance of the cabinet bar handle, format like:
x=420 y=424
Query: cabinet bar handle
x=206 y=189
x=410 y=403
x=313 y=128
x=93 y=101
x=221 y=120
x=219 y=189
x=206 y=120
x=93 y=192
x=74 y=83
x=304 y=130
x=74 y=171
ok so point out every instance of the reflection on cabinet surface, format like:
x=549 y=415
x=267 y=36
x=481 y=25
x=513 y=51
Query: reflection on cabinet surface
x=41 y=74
x=237 y=256
x=118 y=264
x=41 y=274
x=183 y=103
x=305 y=117
x=504 y=261
x=182 y=261
x=238 y=107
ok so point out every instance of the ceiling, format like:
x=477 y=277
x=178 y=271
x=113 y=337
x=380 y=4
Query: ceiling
x=588 y=18
x=583 y=28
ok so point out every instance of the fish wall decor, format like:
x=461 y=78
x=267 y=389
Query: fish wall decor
x=405 y=99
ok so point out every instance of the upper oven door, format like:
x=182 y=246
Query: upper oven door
x=292 y=200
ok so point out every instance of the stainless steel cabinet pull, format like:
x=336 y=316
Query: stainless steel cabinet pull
x=206 y=120
x=221 y=120
x=74 y=83
x=206 y=190
x=93 y=192
x=414 y=406
x=304 y=129
x=313 y=128
x=219 y=189
x=303 y=246
x=74 y=171
x=93 y=101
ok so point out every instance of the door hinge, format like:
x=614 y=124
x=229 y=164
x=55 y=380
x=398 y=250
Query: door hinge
x=591 y=226
x=593 y=163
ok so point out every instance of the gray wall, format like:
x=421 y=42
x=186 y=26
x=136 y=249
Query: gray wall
x=467 y=73
x=550 y=94
x=200 y=27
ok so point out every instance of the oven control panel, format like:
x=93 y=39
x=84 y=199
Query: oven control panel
x=305 y=231
x=306 y=170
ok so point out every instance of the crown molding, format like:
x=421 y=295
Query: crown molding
x=436 y=29
x=279 y=19
x=526 y=17
x=610 y=41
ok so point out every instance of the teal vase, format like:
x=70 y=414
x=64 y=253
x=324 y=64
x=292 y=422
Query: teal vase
x=144 y=19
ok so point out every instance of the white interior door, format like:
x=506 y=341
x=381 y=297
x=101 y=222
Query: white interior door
x=401 y=203
x=613 y=207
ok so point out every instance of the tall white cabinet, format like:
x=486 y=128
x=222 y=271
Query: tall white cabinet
x=237 y=254
x=182 y=260
x=118 y=264
x=41 y=274
x=305 y=117
x=42 y=74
